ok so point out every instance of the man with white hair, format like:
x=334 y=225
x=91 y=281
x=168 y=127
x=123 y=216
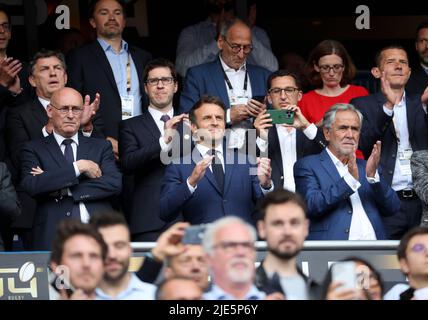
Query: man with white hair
x=229 y=245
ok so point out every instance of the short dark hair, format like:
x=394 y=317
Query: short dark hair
x=159 y=295
x=227 y=25
x=107 y=219
x=5 y=10
x=280 y=196
x=204 y=100
x=70 y=228
x=44 y=53
x=422 y=25
x=94 y=3
x=404 y=242
x=378 y=55
x=284 y=73
x=325 y=48
x=159 y=63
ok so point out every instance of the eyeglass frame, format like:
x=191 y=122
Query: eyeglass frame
x=242 y=47
x=295 y=89
x=170 y=80
x=6 y=26
x=76 y=111
x=421 y=248
x=337 y=66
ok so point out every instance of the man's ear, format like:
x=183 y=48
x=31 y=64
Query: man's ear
x=92 y=23
x=326 y=132
x=261 y=229
x=31 y=81
x=376 y=72
x=404 y=266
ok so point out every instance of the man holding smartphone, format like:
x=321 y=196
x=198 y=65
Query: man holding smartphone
x=285 y=143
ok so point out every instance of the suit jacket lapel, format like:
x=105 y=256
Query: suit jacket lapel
x=411 y=108
x=83 y=147
x=101 y=58
x=39 y=113
x=208 y=173
x=55 y=150
x=218 y=79
x=300 y=136
x=150 y=124
x=329 y=166
x=275 y=149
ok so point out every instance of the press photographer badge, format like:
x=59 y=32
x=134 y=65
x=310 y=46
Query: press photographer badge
x=127 y=106
x=404 y=160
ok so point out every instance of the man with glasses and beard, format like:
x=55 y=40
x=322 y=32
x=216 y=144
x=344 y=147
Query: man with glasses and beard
x=284 y=226
x=118 y=283
x=229 y=245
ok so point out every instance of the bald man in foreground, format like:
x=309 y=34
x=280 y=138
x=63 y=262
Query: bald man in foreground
x=70 y=176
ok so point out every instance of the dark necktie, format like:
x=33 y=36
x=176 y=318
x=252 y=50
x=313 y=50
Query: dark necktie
x=217 y=169
x=68 y=154
x=165 y=118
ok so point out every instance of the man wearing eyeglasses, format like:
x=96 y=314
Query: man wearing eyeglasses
x=30 y=121
x=71 y=176
x=229 y=244
x=232 y=79
x=143 y=141
x=418 y=80
x=284 y=144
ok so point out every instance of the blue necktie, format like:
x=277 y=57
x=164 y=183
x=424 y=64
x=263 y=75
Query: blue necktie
x=68 y=154
x=217 y=169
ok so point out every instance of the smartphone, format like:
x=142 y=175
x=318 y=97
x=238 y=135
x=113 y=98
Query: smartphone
x=259 y=98
x=346 y=273
x=194 y=234
x=281 y=116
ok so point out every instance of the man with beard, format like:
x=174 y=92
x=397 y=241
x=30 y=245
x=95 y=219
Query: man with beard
x=418 y=80
x=118 y=283
x=77 y=259
x=284 y=225
x=229 y=247
x=399 y=121
x=345 y=196
x=143 y=141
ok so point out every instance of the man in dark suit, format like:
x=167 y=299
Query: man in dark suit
x=284 y=144
x=398 y=120
x=30 y=121
x=111 y=67
x=346 y=197
x=70 y=175
x=418 y=80
x=231 y=79
x=212 y=181
x=142 y=142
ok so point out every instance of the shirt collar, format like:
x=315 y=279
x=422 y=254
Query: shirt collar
x=219 y=294
x=156 y=114
x=107 y=47
x=402 y=102
x=226 y=68
x=335 y=160
x=424 y=67
x=134 y=284
x=59 y=139
x=44 y=102
x=204 y=149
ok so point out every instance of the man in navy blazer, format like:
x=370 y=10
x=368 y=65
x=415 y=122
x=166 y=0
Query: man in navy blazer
x=144 y=141
x=230 y=78
x=70 y=175
x=213 y=181
x=399 y=121
x=346 y=197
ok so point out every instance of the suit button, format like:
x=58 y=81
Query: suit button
x=282 y=177
x=390 y=172
x=224 y=200
x=393 y=156
x=350 y=211
x=68 y=214
x=346 y=230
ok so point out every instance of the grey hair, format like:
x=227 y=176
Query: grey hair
x=215 y=227
x=330 y=115
x=225 y=27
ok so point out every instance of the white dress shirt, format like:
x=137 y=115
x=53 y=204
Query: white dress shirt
x=216 y=293
x=84 y=214
x=400 y=181
x=361 y=227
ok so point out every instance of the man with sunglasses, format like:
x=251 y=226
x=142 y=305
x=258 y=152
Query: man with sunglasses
x=284 y=144
x=231 y=79
x=70 y=176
